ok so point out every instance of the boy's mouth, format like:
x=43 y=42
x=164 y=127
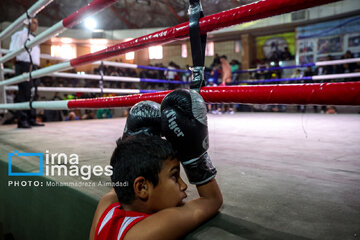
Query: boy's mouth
x=182 y=200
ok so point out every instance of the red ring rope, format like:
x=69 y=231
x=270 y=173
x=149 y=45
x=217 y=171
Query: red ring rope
x=324 y=94
x=246 y=13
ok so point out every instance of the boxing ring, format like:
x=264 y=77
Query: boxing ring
x=282 y=176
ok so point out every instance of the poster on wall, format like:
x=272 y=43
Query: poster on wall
x=330 y=45
x=306 y=46
x=306 y=58
x=306 y=50
x=268 y=46
x=354 y=41
x=329 y=38
x=353 y=44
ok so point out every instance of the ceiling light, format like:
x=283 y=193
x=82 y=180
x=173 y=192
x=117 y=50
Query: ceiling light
x=90 y=23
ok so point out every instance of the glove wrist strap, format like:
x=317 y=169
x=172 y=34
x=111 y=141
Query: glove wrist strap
x=200 y=171
x=198 y=78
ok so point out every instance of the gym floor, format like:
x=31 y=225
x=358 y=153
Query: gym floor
x=282 y=175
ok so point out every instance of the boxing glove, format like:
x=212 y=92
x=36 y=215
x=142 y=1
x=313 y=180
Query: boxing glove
x=184 y=124
x=144 y=118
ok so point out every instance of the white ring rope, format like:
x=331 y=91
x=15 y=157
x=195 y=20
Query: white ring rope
x=43 y=55
x=96 y=77
x=82 y=90
x=78 y=61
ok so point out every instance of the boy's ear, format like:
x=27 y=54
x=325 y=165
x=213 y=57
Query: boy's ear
x=141 y=188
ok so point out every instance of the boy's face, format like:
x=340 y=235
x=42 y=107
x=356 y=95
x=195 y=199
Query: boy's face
x=170 y=191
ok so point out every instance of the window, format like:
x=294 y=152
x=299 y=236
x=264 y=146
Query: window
x=184 y=52
x=97 y=44
x=209 y=50
x=237 y=46
x=67 y=51
x=156 y=52
x=130 y=56
x=96 y=48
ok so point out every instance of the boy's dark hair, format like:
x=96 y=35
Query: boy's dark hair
x=138 y=156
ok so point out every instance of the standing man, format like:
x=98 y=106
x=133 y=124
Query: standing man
x=23 y=64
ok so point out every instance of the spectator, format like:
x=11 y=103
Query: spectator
x=274 y=57
x=277 y=73
x=216 y=61
x=71 y=116
x=171 y=75
x=308 y=72
x=213 y=108
x=235 y=66
x=53 y=115
x=331 y=110
x=286 y=55
x=160 y=73
x=48 y=63
x=347 y=67
x=357 y=69
x=89 y=114
x=296 y=74
x=103 y=113
x=328 y=69
x=186 y=77
x=264 y=74
x=111 y=71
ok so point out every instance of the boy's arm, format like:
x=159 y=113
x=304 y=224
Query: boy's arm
x=172 y=223
x=104 y=203
x=184 y=124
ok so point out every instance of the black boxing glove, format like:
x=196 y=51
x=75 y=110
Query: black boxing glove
x=184 y=124
x=144 y=118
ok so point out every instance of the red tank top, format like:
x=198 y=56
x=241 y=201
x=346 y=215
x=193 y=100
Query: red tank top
x=115 y=222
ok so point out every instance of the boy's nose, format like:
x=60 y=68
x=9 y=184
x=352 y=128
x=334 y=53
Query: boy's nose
x=183 y=185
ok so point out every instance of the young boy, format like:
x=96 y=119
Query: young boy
x=151 y=205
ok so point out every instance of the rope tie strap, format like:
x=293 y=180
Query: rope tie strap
x=198 y=45
x=101 y=81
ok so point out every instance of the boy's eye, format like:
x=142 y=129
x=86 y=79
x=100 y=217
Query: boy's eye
x=175 y=177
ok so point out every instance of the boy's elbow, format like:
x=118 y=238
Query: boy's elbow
x=220 y=200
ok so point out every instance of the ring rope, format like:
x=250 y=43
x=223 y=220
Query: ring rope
x=246 y=13
x=328 y=93
x=68 y=22
x=308 y=78
x=32 y=11
x=347 y=93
